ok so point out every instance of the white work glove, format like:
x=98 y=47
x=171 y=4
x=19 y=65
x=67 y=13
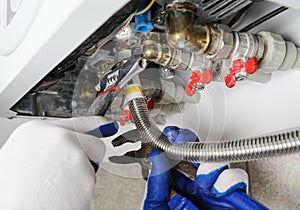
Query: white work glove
x=46 y=165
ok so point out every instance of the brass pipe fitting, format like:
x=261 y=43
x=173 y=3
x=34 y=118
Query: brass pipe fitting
x=181 y=31
x=216 y=41
x=158 y=52
x=154 y=51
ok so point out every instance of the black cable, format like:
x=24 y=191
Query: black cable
x=238 y=15
x=264 y=19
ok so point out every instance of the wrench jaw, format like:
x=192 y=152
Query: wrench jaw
x=116 y=78
x=125 y=147
x=139 y=156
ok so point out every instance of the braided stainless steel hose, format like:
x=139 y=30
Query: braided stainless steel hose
x=281 y=143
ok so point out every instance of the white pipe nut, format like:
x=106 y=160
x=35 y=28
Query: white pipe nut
x=291 y=60
x=274 y=53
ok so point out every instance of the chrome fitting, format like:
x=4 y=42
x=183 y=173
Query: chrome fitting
x=221 y=44
x=247 y=45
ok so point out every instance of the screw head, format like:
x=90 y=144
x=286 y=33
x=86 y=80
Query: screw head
x=167 y=73
x=98 y=87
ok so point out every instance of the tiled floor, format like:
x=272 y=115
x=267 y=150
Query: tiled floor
x=276 y=182
x=114 y=192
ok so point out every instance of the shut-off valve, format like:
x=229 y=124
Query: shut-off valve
x=218 y=52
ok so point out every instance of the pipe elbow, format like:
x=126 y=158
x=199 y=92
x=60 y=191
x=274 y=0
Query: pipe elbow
x=151 y=52
x=181 y=31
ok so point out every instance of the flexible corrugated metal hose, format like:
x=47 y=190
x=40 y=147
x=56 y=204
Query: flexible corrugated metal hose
x=281 y=143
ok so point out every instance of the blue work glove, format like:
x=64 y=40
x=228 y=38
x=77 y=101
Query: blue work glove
x=215 y=186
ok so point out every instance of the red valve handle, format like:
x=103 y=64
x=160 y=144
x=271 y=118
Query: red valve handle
x=196 y=77
x=238 y=66
x=126 y=115
x=251 y=65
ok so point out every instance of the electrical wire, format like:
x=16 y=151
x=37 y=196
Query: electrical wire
x=95 y=49
x=239 y=16
x=264 y=18
x=145 y=9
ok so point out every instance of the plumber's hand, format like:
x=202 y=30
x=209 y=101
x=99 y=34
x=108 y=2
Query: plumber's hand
x=209 y=190
x=49 y=164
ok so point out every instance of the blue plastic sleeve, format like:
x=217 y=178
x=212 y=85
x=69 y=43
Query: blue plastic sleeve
x=143 y=22
x=105 y=130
